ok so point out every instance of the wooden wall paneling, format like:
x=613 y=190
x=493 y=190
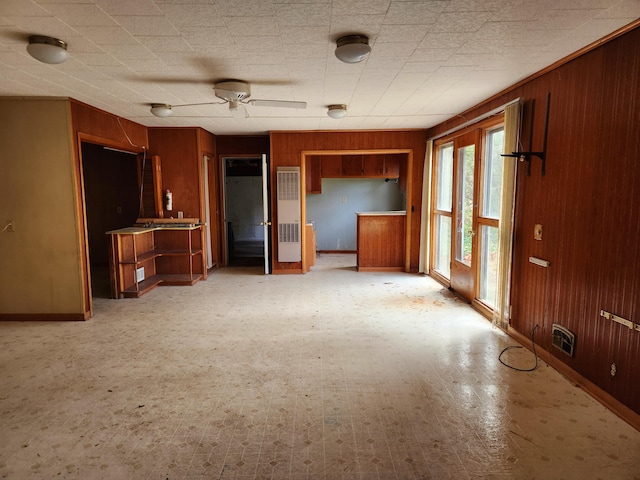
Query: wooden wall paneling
x=587 y=204
x=116 y=131
x=181 y=164
x=93 y=125
x=242 y=144
x=286 y=148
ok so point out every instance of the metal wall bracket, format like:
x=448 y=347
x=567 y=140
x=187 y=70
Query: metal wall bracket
x=528 y=155
x=620 y=320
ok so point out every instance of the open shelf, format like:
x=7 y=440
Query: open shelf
x=169 y=257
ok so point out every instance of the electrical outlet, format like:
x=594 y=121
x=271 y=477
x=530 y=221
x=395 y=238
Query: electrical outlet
x=614 y=370
x=537 y=232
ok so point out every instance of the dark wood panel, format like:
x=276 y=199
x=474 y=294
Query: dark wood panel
x=242 y=144
x=313 y=174
x=373 y=165
x=117 y=131
x=331 y=166
x=178 y=150
x=352 y=165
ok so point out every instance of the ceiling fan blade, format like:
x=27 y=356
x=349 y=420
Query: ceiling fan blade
x=277 y=103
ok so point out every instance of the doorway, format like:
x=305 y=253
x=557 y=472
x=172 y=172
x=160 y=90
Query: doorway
x=244 y=216
x=466 y=189
x=111 y=202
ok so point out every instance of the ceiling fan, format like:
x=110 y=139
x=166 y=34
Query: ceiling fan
x=234 y=92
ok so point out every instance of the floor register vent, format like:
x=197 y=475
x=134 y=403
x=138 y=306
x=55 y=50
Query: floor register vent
x=563 y=339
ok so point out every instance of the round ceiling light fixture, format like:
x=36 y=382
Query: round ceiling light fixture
x=352 y=48
x=337 y=111
x=47 y=49
x=161 y=110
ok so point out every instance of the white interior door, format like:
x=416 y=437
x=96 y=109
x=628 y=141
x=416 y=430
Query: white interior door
x=265 y=212
x=207 y=212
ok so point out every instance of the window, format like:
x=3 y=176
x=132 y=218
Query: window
x=490 y=193
x=443 y=206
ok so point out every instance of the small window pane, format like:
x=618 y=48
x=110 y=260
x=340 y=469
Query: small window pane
x=464 y=238
x=443 y=246
x=444 y=187
x=492 y=175
x=488 y=264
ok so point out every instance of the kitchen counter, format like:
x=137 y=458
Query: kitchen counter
x=389 y=213
x=381 y=241
x=136 y=230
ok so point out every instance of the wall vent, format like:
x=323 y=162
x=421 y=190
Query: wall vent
x=288 y=208
x=563 y=339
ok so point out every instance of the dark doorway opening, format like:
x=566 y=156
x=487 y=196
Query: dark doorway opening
x=243 y=204
x=111 y=202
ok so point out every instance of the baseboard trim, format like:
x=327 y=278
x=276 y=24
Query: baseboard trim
x=380 y=269
x=610 y=402
x=42 y=317
x=329 y=252
x=287 y=271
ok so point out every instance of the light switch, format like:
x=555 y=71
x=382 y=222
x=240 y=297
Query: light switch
x=537 y=232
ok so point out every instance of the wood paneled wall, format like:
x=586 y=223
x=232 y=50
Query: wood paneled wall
x=287 y=148
x=242 y=145
x=589 y=205
x=178 y=150
x=108 y=128
x=97 y=126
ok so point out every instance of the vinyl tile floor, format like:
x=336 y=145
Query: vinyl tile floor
x=335 y=374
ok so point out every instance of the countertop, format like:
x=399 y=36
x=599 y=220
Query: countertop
x=139 y=230
x=378 y=214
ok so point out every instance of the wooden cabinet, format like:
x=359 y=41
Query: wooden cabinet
x=373 y=165
x=366 y=166
x=331 y=166
x=381 y=241
x=392 y=165
x=143 y=258
x=313 y=175
x=352 y=166
x=310 y=246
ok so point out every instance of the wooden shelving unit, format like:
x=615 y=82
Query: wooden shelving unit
x=168 y=255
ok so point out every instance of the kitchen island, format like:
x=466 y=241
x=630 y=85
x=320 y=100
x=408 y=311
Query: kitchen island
x=381 y=241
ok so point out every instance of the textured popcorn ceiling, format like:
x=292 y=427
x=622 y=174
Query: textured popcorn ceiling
x=431 y=59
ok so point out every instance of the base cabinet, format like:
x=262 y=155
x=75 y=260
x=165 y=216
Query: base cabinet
x=381 y=241
x=144 y=258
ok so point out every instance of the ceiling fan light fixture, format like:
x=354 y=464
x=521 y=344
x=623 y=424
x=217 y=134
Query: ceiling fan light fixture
x=337 y=111
x=47 y=49
x=352 y=48
x=161 y=110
